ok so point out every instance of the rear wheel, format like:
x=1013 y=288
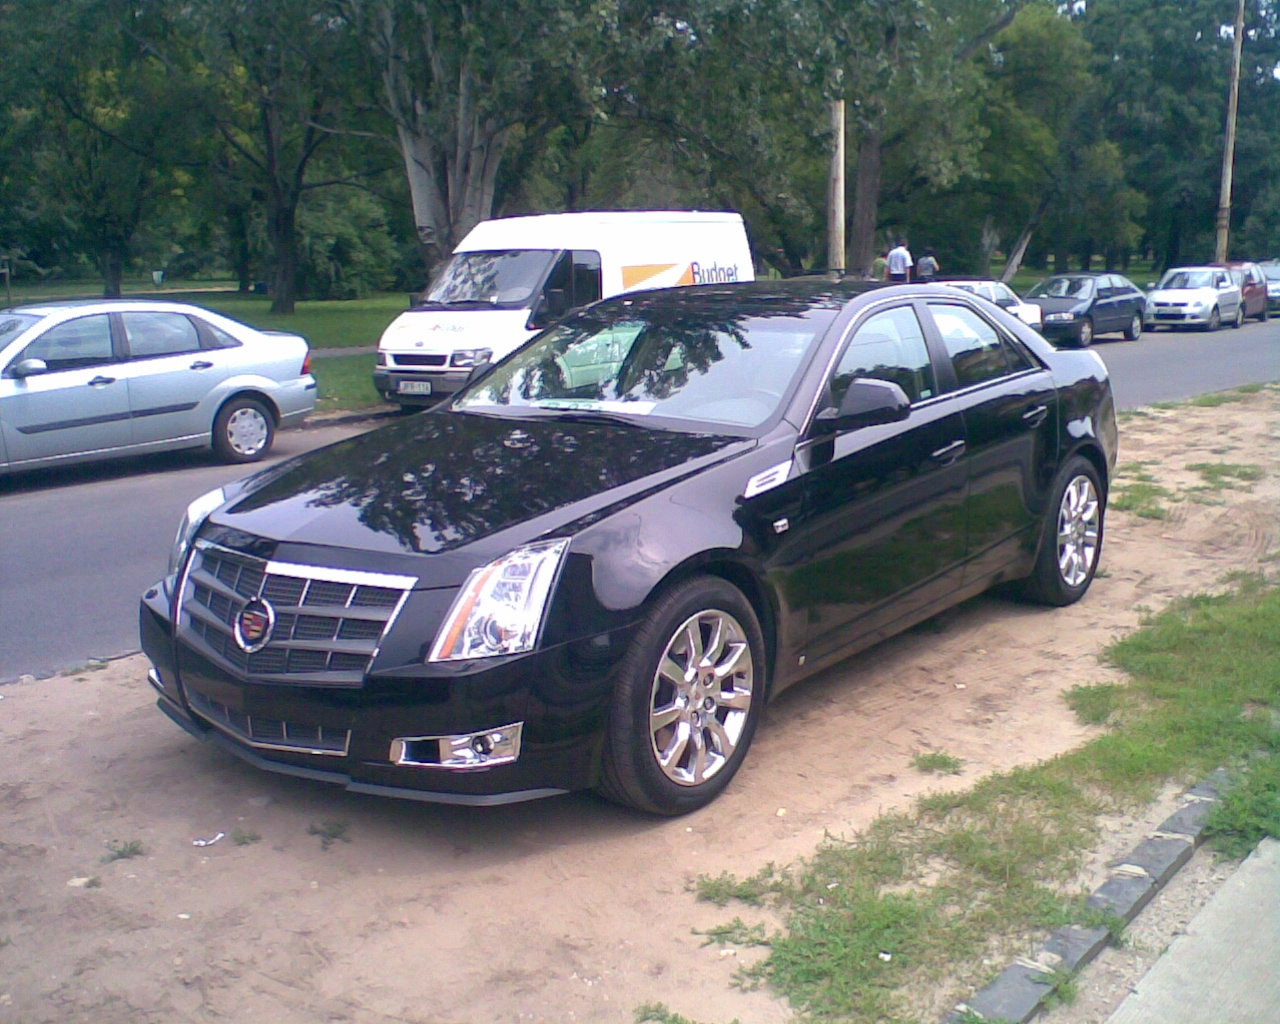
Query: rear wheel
x=1265 y=315
x=1072 y=536
x=1238 y=322
x=1134 y=331
x=243 y=430
x=687 y=702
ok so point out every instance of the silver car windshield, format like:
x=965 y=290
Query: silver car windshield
x=13 y=324
x=730 y=371
x=504 y=279
x=1187 y=279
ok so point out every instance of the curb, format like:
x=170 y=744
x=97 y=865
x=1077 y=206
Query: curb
x=1023 y=988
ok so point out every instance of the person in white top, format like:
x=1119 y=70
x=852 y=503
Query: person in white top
x=900 y=262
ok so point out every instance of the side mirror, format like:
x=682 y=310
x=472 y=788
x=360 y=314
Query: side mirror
x=1151 y=286
x=28 y=368
x=867 y=403
x=1006 y=302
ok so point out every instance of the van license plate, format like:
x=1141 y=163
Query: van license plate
x=414 y=387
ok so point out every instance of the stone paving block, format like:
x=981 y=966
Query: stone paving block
x=1014 y=996
x=1123 y=895
x=1160 y=858
x=1189 y=821
x=1212 y=787
x=1073 y=946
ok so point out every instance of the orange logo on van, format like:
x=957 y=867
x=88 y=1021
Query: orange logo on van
x=645 y=274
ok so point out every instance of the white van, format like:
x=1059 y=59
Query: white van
x=510 y=278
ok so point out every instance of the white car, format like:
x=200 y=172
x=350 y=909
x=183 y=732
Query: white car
x=82 y=381
x=1272 y=272
x=1003 y=296
x=1203 y=297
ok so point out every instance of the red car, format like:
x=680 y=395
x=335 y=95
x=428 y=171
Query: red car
x=1253 y=287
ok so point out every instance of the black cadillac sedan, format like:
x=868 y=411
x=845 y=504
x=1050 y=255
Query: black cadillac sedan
x=595 y=565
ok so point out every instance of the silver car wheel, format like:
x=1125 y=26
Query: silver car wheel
x=247 y=431
x=701 y=697
x=1079 y=518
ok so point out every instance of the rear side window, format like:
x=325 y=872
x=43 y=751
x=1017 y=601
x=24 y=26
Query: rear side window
x=159 y=334
x=978 y=352
x=888 y=346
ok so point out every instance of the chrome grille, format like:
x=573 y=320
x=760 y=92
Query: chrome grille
x=328 y=622
x=271 y=733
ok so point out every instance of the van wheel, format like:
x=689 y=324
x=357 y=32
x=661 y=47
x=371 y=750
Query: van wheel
x=688 y=699
x=243 y=430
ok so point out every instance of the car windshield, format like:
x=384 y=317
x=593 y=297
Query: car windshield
x=722 y=368
x=13 y=324
x=1187 y=279
x=1272 y=271
x=505 y=279
x=1063 y=288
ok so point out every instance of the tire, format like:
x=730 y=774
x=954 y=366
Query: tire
x=243 y=430
x=1071 y=539
x=1134 y=331
x=1265 y=315
x=1085 y=338
x=1214 y=321
x=675 y=737
x=1238 y=322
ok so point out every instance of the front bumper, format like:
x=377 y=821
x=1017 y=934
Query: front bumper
x=380 y=736
x=406 y=386
x=1176 y=316
x=1061 y=330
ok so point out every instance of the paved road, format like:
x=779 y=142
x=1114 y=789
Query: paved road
x=79 y=545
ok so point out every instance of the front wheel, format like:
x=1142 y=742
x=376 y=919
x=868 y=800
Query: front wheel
x=1085 y=338
x=1214 y=321
x=687 y=701
x=243 y=430
x=1071 y=539
x=1134 y=331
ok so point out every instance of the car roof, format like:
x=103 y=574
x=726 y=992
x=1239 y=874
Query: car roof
x=52 y=307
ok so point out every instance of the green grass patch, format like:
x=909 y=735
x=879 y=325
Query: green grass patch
x=244 y=837
x=937 y=762
x=871 y=922
x=329 y=832
x=345 y=383
x=117 y=850
x=1141 y=498
x=1226 y=475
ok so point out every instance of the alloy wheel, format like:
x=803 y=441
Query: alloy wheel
x=1079 y=518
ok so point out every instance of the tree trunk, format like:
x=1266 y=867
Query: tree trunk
x=866 y=203
x=283 y=234
x=1019 y=250
x=241 y=249
x=987 y=243
x=112 y=271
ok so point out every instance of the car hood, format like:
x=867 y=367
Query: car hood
x=1066 y=304
x=1183 y=295
x=439 y=481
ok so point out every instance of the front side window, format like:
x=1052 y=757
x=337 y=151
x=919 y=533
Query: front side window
x=586 y=277
x=159 y=334
x=84 y=341
x=888 y=346
x=979 y=353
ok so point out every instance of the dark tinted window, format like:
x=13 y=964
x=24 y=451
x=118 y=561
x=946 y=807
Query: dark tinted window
x=888 y=346
x=85 y=341
x=586 y=277
x=978 y=351
x=159 y=334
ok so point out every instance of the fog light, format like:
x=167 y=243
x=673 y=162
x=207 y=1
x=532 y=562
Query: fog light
x=461 y=752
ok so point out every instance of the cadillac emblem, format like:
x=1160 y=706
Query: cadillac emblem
x=254 y=624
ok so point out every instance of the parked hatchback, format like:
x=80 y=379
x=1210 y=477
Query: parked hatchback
x=1078 y=307
x=1202 y=297
x=596 y=564
x=1252 y=282
x=81 y=381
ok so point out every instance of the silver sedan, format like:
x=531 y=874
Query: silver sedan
x=81 y=381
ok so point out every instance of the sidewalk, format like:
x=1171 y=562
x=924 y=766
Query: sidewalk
x=1226 y=968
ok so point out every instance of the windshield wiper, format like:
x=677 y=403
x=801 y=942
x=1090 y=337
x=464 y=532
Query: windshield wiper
x=457 y=304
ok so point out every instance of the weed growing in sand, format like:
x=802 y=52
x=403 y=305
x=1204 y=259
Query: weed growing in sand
x=937 y=762
x=329 y=832
x=1225 y=475
x=117 y=850
x=244 y=837
x=1135 y=490
x=1094 y=705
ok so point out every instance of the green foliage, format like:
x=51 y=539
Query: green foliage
x=120 y=850
x=937 y=762
x=1095 y=705
x=1251 y=809
x=329 y=832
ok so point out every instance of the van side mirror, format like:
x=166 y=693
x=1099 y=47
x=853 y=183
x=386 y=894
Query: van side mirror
x=867 y=403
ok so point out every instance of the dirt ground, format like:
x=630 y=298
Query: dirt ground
x=359 y=909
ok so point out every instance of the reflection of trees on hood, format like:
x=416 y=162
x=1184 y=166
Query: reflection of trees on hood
x=441 y=481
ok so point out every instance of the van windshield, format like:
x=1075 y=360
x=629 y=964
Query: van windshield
x=507 y=279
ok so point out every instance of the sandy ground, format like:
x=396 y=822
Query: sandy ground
x=564 y=910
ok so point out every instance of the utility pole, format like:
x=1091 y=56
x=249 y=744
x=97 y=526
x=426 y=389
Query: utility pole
x=835 y=192
x=1229 y=145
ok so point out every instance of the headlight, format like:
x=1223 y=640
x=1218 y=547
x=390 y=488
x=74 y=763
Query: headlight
x=468 y=357
x=500 y=608
x=197 y=512
x=1050 y=318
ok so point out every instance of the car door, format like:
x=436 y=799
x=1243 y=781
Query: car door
x=1229 y=295
x=1009 y=405
x=172 y=371
x=882 y=517
x=78 y=404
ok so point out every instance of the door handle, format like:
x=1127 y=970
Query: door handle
x=201 y=364
x=1034 y=417
x=100 y=380
x=949 y=453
